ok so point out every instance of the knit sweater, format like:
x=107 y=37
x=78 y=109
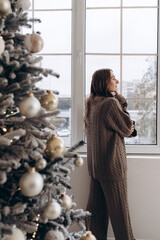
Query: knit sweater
x=108 y=123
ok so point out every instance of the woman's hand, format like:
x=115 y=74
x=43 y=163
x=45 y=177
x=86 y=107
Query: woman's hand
x=132 y=129
x=116 y=93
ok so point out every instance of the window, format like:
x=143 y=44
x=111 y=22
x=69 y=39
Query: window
x=55 y=30
x=82 y=36
x=122 y=35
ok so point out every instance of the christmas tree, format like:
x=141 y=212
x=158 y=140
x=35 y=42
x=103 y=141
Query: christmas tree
x=34 y=162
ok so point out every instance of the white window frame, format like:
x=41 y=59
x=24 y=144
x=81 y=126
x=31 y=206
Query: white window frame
x=78 y=79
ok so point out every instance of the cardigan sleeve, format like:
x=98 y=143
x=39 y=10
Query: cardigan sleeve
x=122 y=102
x=117 y=119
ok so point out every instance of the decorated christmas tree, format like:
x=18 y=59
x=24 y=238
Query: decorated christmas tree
x=34 y=162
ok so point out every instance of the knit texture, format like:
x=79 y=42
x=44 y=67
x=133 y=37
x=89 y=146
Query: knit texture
x=109 y=200
x=108 y=123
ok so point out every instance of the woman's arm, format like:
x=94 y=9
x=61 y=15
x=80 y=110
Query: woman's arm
x=116 y=118
x=122 y=102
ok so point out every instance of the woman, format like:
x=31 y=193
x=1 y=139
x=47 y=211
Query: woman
x=107 y=122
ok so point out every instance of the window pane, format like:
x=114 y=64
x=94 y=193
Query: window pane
x=103 y=31
x=140 y=30
x=94 y=63
x=56 y=31
x=139 y=76
x=56 y=4
x=61 y=65
x=102 y=3
x=140 y=2
x=144 y=115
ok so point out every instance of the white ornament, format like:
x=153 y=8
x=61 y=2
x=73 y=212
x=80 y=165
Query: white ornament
x=78 y=161
x=2 y=45
x=17 y=234
x=54 y=235
x=31 y=183
x=24 y=4
x=5 y=7
x=41 y=163
x=52 y=210
x=33 y=43
x=67 y=201
x=29 y=106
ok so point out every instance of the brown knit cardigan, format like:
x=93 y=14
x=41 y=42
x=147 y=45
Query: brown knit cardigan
x=108 y=123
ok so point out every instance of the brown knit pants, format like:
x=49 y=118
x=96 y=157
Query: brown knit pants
x=109 y=199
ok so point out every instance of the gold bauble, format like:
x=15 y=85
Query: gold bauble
x=33 y=43
x=55 y=146
x=49 y=101
x=88 y=236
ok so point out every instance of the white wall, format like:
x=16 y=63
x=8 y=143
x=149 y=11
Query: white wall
x=143 y=194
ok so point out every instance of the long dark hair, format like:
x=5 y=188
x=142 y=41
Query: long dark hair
x=100 y=80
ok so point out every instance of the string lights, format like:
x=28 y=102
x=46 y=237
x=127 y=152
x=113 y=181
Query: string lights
x=37 y=225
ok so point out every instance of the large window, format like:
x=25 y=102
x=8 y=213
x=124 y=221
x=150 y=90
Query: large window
x=83 y=36
x=55 y=30
x=122 y=35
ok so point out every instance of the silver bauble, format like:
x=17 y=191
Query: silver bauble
x=29 y=106
x=5 y=7
x=54 y=235
x=52 y=210
x=24 y=4
x=41 y=163
x=17 y=234
x=31 y=183
x=78 y=161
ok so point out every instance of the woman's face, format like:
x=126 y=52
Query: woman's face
x=112 y=86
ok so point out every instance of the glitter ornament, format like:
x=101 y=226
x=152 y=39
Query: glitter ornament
x=49 y=101
x=2 y=45
x=55 y=146
x=41 y=163
x=17 y=234
x=88 y=236
x=31 y=183
x=33 y=43
x=52 y=210
x=24 y=4
x=78 y=161
x=54 y=235
x=67 y=201
x=29 y=106
x=5 y=7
